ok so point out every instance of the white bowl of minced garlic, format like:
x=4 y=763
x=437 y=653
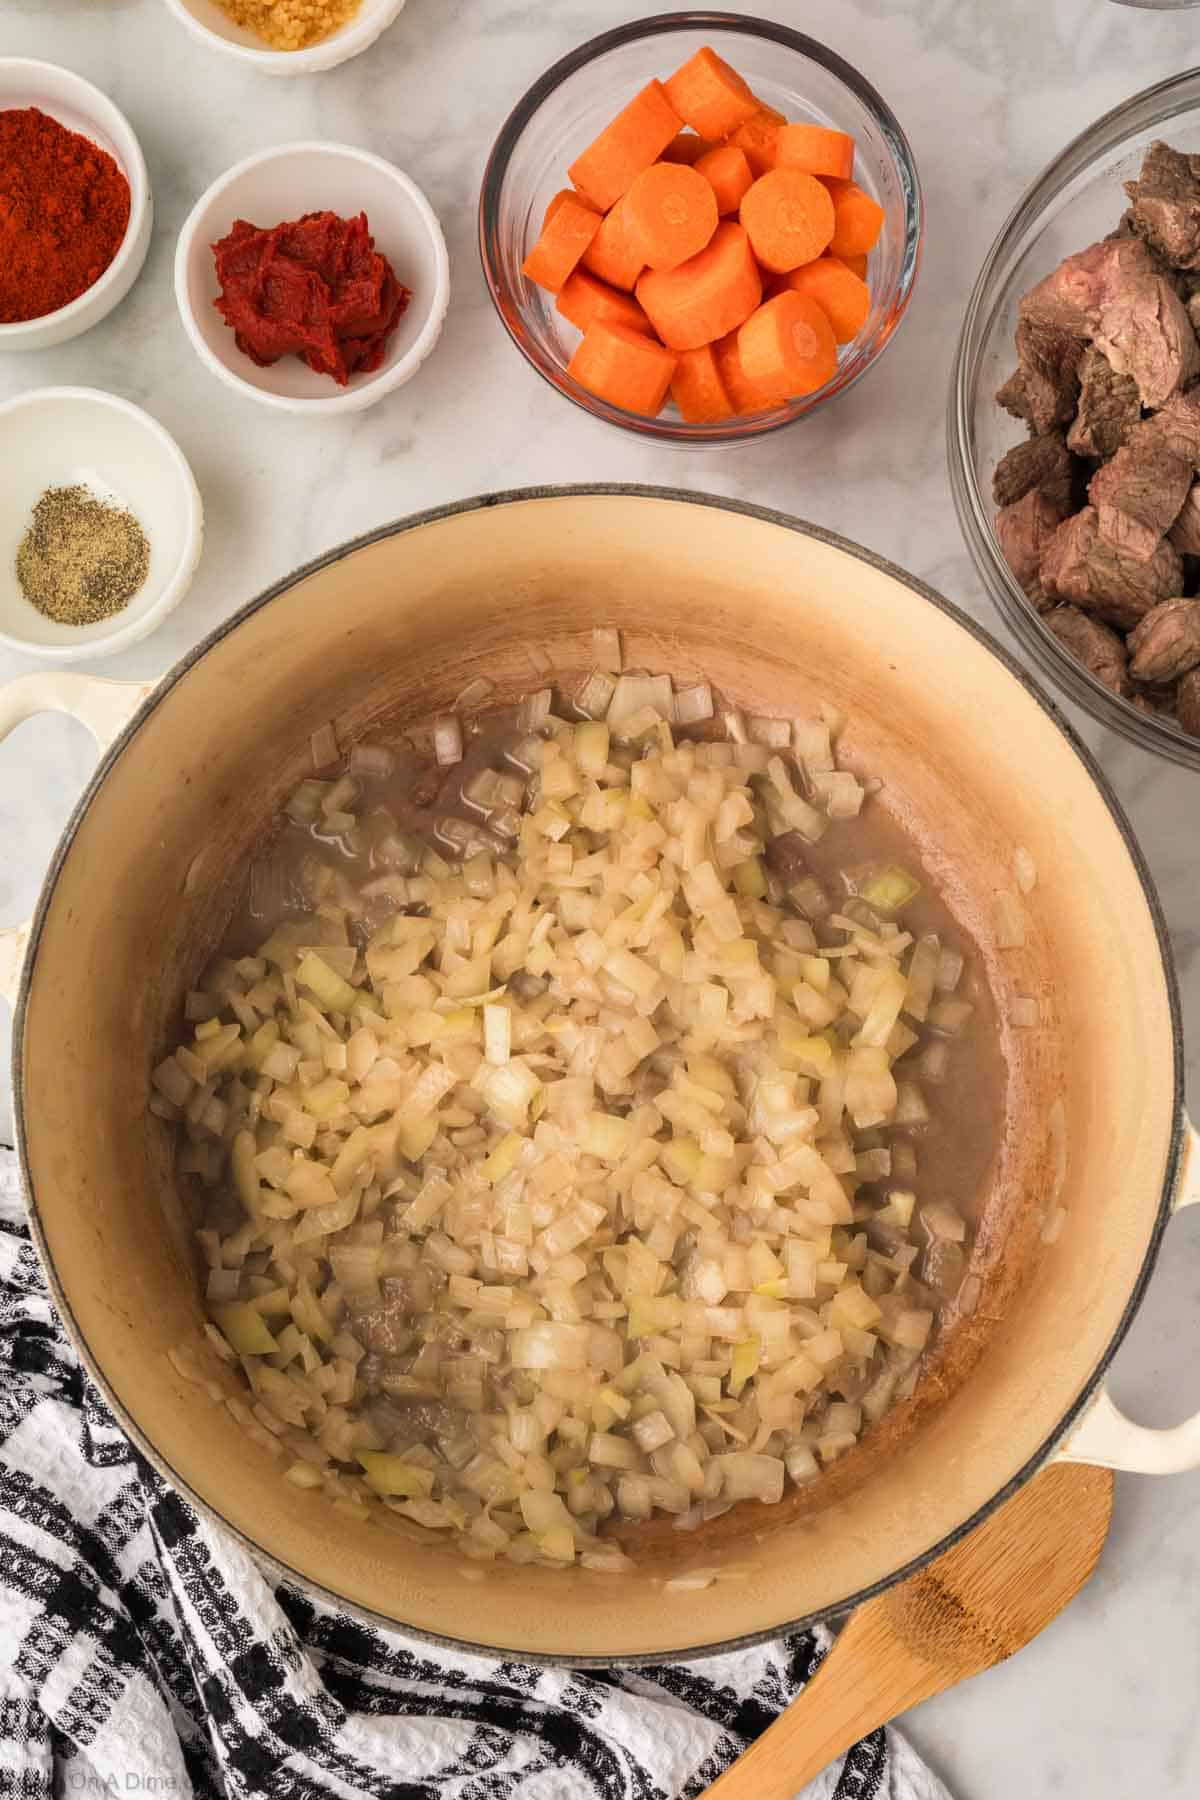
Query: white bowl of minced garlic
x=287 y=37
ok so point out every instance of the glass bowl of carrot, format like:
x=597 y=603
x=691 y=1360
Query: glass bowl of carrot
x=701 y=226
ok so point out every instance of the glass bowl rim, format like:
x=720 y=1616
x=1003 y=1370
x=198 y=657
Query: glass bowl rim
x=663 y=24
x=1149 y=107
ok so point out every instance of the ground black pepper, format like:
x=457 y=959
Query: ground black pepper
x=81 y=559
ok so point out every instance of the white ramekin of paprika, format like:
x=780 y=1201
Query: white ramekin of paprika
x=70 y=143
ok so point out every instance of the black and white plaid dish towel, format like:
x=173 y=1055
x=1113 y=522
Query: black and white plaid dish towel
x=142 y=1651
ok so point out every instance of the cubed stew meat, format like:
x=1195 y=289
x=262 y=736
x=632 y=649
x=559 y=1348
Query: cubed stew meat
x=1098 y=511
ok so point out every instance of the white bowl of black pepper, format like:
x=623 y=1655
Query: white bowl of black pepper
x=101 y=524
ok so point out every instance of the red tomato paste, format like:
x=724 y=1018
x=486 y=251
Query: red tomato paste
x=314 y=287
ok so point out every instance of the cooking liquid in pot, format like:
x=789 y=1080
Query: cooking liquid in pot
x=401 y=802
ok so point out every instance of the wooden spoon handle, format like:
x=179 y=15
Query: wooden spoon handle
x=862 y=1684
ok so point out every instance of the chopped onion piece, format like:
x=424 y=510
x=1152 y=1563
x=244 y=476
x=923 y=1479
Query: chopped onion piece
x=535 y=710
x=745 y=1476
x=447 y=740
x=475 y=692
x=606 y=648
x=324 y=747
x=595 y=696
x=694 y=704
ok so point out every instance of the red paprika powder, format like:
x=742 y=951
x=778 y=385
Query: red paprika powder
x=64 y=210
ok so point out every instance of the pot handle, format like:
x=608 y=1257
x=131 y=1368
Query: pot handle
x=1104 y=1435
x=105 y=707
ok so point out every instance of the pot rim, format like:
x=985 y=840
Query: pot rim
x=770 y=516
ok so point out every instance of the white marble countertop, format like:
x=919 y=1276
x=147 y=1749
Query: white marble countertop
x=1104 y=1704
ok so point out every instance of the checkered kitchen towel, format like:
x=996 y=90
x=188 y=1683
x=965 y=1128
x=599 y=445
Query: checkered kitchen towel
x=143 y=1653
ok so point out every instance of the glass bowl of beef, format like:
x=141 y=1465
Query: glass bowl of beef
x=1077 y=202
x=575 y=99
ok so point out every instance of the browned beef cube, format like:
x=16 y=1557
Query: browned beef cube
x=1166 y=643
x=1145 y=332
x=1096 y=646
x=1177 y=426
x=1138 y=496
x=1187 y=702
x=1166 y=204
x=1045 y=386
x=1043 y=463
x=1185 y=532
x=1109 y=407
x=1024 y=531
x=1079 y=567
x=1073 y=297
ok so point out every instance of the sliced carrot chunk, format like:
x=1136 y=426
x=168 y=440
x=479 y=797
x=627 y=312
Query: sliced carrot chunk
x=730 y=173
x=710 y=96
x=706 y=296
x=637 y=137
x=584 y=298
x=697 y=388
x=758 y=137
x=787 y=347
x=554 y=204
x=842 y=296
x=612 y=254
x=856 y=264
x=624 y=367
x=858 y=220
x=566 y=235
x=816 y=149
x=670 y=213
x=789 y=217
x=744 y=394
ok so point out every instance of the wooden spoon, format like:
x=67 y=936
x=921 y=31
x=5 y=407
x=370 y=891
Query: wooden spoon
x=990 y=1595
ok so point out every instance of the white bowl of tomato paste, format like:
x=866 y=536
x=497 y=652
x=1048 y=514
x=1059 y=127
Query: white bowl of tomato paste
x=64 y=141
x=313 y=278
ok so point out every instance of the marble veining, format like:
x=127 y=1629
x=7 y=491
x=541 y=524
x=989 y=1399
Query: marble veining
x=1104 y=1703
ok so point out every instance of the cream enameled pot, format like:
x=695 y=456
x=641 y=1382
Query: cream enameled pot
x=384 y=633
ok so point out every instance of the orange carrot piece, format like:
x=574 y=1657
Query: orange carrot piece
x=612 y=255
x=556 y=202
x=710 y=96
x=730 y=173
x=744 y=396
x=816 y=149
x=758 y=137
x=670 y=213
x=624 y=367
x=637 y=137
x=789 y=217
x=564 y=239
x=697 y=388
x=842 y=296
x=858 y=220
x=706 y=296
x=686 y=147
x=584 y=298
x=857 y=265
x=787 y=347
